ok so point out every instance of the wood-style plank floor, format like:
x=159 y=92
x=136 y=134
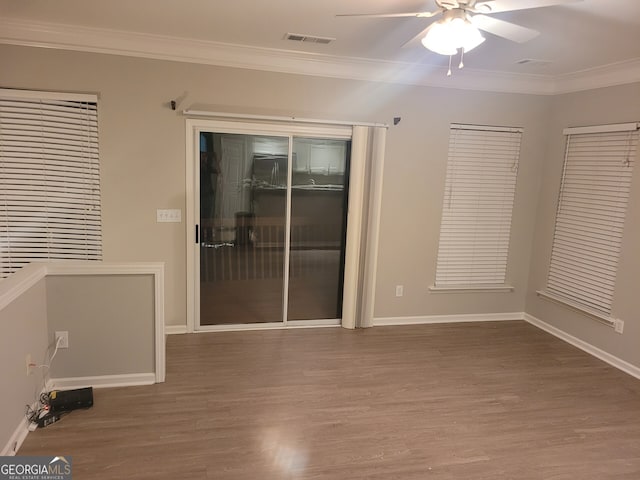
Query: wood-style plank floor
x=461 y=401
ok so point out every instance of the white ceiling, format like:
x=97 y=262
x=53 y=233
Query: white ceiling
x=576 y=37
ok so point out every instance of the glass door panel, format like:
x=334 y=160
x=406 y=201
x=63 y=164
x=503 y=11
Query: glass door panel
x=319 y=189
x=243 y=200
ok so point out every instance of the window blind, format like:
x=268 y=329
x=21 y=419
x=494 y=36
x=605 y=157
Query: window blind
x=478 y=201
x=49 y=179
x=590 y=218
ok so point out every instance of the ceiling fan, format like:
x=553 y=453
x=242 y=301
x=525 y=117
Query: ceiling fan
x=461 y=22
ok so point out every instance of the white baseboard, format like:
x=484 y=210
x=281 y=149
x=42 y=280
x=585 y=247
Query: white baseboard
x=15 y=441
x=102 y=381
x=20 y=433
x=584 y=346
x=482 y=317
x=175 y=329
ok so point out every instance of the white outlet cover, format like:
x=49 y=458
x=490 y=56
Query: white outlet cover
x=619 y=326
x=64 y=343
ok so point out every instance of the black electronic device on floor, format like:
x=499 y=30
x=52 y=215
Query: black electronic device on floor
x=67 y=400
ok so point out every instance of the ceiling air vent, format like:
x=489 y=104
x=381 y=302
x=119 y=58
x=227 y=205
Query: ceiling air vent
x=297 y=37
x=532 y=62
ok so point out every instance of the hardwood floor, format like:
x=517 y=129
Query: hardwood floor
x=461 y=401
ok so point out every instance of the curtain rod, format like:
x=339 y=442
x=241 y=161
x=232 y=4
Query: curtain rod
x=277 y=118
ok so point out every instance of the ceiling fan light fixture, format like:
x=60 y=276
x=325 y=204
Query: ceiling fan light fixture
x=439 y=40
x=451 y=33
x=472 y=38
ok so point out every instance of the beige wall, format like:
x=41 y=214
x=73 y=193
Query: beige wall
x=110 y=320
x=142 y=145
x=608 y=105
x=414 y=177
x=23 y=331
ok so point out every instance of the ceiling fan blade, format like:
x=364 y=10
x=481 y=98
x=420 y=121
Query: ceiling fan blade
x=391 y=15
x=508 y=30
x=497 y=6
x=416 y=39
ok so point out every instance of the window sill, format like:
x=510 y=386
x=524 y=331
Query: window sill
x=472 y=289
x=606 y=320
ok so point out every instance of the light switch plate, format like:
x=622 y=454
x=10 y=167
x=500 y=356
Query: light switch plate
x=169 y=215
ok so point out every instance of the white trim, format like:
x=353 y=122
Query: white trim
x=19 y=282
x=278 y=118
x=102 y=381
x=155 y=269
x=462 y=318
x=191 y=126
x=286 y=272
x=618 y=73
x=584 y=346
x=614 y=127
x=162 y=47
x=102 y=268
x=159 y=344
x=22 y=280
x=20 y=433
x=175 y=329
x=15 y=93
x=17 y=438
x=276 y=129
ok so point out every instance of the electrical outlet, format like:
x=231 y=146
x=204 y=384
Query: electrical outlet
x=64 y=342
x=619 y=325
x=399 y=290
x=29 y=365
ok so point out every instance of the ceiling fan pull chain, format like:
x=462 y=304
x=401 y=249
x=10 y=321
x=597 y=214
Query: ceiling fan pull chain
x=461 y=64
x=449 y=71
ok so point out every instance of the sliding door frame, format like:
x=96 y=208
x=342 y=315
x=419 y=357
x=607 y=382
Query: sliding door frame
x=284 y=130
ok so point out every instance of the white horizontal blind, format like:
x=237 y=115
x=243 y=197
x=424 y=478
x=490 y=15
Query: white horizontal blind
x=478 y=201
x=590 y=219
x=49 y=179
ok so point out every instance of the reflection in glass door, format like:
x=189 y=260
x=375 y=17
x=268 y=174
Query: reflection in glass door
x=259 y=195
x=243 y=193
x=318 y=226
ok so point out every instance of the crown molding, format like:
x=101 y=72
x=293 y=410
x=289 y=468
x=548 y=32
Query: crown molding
x=160 y=47
x=610 y=75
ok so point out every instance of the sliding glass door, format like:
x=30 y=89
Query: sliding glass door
x=243 y=201
x=318 y=224
x=271 y=231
